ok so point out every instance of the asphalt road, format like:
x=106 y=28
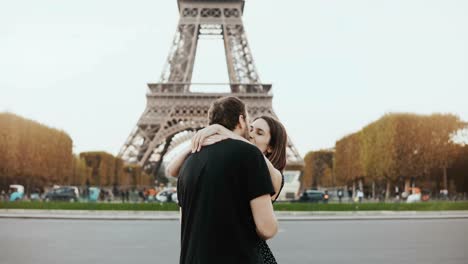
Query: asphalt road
x=24 y=241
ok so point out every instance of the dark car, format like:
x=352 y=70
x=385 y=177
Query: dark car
x=313 y=196
x=69 y=194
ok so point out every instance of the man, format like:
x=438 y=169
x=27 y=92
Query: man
x=225 y=195
x=340 y=194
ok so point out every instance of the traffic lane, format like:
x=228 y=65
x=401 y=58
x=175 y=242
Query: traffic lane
x=84 y=241
x=78 y=241
x=372 y=241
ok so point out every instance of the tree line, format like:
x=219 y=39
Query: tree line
x=394 y=149
x=36 y=156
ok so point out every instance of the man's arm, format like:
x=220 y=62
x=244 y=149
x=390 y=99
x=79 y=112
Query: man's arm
x=264 y=217
x=259 y=192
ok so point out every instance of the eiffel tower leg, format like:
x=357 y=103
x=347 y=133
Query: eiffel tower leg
x=241 y=67
x=155 y=167
x=137 y=142
x=179 y=65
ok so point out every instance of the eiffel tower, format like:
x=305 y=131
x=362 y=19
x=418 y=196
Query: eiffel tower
x=173 y=112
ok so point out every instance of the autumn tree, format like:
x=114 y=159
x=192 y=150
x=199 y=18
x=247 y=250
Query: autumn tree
x=33 y=154
x=318 y=169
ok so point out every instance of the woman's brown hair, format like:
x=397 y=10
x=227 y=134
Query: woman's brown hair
x=278 y=142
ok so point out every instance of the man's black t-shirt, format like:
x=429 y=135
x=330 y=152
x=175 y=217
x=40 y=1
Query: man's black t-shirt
x=215 y=188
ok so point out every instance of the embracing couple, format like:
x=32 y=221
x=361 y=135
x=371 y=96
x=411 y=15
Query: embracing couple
x=228 y=179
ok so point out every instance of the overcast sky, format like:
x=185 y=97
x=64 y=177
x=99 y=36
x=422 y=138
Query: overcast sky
x=335 y=66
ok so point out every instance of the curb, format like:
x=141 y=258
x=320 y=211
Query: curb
x=174 y=215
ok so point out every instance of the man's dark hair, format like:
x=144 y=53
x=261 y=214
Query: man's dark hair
x=226 y=111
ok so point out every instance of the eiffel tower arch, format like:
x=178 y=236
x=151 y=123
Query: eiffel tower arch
x=173 y=112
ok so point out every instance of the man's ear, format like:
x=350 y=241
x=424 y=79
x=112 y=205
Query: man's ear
x=241 y=121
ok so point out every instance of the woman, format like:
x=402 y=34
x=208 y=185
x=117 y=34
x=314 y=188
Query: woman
x=268 y=134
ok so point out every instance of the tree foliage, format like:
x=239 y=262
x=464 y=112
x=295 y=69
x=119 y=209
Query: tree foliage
x=37 y=156
x=32 y=154
x=348 y=162
x=398 y=145
x=107 y=170
x=318 y=169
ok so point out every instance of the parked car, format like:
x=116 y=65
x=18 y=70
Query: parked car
x=167 y=195
x=106 y=195
x=65 y=193
x=35 y=196
x=414 y=195
x=313 y=196
x=17 y=192
x=93 y=194
x=412 y=198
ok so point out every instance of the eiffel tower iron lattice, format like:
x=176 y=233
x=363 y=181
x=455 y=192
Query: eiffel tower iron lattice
x=173 y=113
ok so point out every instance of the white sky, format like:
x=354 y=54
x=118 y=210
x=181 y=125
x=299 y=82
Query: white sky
x=335 y=66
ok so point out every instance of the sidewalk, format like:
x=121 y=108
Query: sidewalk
x=281 y=215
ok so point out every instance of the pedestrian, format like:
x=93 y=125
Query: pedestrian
x=326 y=197
x=141 y=195
x=397 y=193
x=122 y=195
x=145 y=195
x=360 y=195
x=382 y=196
x=340 y=194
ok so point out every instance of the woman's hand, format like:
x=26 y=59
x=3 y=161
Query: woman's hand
x=215 y=129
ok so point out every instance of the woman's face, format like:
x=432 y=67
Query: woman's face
x=260 y=135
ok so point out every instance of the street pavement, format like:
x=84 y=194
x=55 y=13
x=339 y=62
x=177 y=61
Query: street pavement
x=77 y=241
